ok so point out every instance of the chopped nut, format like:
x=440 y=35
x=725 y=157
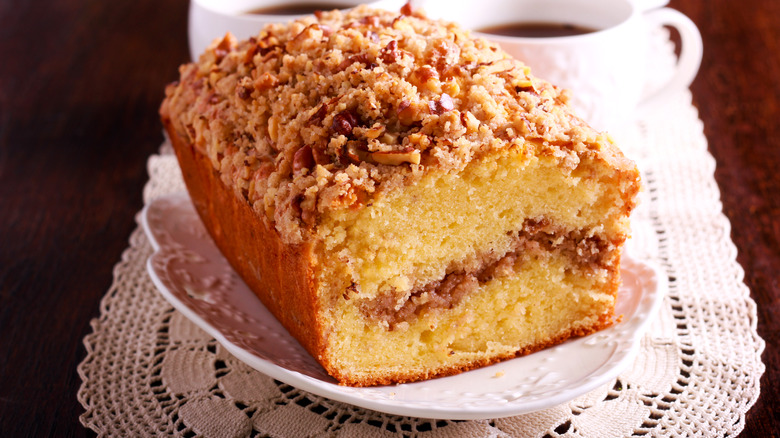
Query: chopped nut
x=498 y=66
x=320 y=114
x=355 y=151
x=243 y=92
x=344 y=122
x=451 y=87
x=419 y=139
x=390 y=53
x=224 y=47
x=426 y=77
x=521 y=124
x=395 y=158
x=361 y=58
x=321 y=157
x=426 y=73
x=267 y=45
x=375 y=131
x=352 y=152
x=524 y=85
x=266 y=81
x=406 y=112
x=372 y=36
x=372 y=20
x=446 y=54
x=442 y=105
x=244 y=88
x=326 y=30
x=250 y=53
x=389 y=138
x=309 y=34
x=469 y=121
x=273 y=128
x=451 y=72
x=215 y=76
x=303 y=159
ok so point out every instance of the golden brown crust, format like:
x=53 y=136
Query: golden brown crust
x=279 y=274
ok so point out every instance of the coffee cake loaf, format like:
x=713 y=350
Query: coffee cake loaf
x=408 y=200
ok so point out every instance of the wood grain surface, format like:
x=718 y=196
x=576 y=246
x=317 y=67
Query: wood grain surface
x=80 y=83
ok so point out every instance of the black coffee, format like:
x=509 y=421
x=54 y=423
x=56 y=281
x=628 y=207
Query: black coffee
x=537 y=30
x=297 y=8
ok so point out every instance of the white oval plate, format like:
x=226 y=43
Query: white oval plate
x=197 y=280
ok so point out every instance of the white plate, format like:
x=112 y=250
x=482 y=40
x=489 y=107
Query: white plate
x=193 y=275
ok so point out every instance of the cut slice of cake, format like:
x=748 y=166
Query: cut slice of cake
x=409 y=201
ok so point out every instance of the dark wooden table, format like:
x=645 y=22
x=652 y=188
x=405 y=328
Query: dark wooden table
x=80 y=83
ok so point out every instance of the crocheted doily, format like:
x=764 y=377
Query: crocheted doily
x=150 y=371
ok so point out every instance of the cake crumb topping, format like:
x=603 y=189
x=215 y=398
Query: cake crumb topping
x=333 y=110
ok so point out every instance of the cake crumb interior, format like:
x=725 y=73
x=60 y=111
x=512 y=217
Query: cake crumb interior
x=498 y=292
x=409 y=240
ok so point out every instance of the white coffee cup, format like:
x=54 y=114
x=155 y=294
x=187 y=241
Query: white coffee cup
x=606 y=70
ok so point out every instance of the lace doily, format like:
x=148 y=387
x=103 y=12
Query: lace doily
x=149 y=371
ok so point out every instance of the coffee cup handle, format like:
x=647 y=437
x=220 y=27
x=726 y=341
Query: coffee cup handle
x=691 y=49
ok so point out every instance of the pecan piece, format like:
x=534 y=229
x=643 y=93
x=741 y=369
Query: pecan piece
x=303 y=159
x=344 y=122
x=390 y=53
x=427 y=78
x=372 y=36
x=311 y=32
x=244 y=88
x=326 y=30
x=321 y=156
x=406 y=112
x=243 y=92
x=266 y=81
x=251 y=51
x=267 y=44
x=372 y=20
x=352 y=153
x=375 y=131
x=442 y=105
x=223 y=48
x=361 y=58
x=395 y=158
x=320 y=114
x=426 y=73
x=525 y=85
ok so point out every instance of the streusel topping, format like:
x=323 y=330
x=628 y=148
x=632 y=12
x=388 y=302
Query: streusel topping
x=333 y=110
